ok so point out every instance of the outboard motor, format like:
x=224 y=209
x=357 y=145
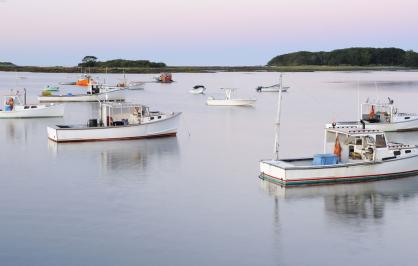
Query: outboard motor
x=363 y=124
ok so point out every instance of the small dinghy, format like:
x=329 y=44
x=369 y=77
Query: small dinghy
x=14 y=107
x=198 y=89
x=229 y=100
x=381 y=116
x=350 y=155
x=118 y=121
x=273 y=88
x=98 y=92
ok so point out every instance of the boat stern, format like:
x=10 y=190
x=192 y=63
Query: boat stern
x=273 y=171
x=52 y=133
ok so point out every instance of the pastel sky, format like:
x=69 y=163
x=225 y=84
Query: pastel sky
x=197 y=32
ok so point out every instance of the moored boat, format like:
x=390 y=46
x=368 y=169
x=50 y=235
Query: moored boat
x=350 y=154
x=85 y=80
x=96 y=93
x=119 y=121
x=15 y=107
x=198 y=89
x=229 y=100
x=164 y=78
x=381 y=116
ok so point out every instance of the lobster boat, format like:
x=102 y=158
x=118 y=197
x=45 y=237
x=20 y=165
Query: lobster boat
x=15 y=107
x=164 y=78
x=382 y=116
x=119 y=121
x=98 y=92
x=350 y=155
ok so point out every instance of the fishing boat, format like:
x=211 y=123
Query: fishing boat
x=85 y=80
x=130 y=85
x=273 y=88
x=164 y=78
x=15 y=107
x=350 y=155
x=381 y=116
x=98 y=92
x=198 y=89
x=229 y=100
x=119 y=121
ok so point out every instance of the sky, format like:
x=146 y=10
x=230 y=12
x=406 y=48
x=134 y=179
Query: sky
x=197 y=32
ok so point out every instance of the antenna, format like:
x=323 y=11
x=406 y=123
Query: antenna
x=277 y=137
x=358 y=101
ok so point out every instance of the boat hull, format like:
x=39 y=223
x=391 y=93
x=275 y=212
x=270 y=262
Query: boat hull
x=409 y=125
x=166 y=127
x=113 y=96
x=54 y=110
x=235 y=102
x=278 y=173
x=197 y=91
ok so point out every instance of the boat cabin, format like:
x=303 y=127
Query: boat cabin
x=125 y=114
x=356 y=145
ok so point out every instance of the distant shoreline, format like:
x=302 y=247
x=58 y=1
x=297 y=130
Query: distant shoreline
x=202 y=69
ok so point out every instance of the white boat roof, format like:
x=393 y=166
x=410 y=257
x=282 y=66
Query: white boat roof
x=354 y=131
x=122 y=105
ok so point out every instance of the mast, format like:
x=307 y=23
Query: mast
x=277 y=128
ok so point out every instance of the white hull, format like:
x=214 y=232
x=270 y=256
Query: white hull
x=197 y=91
x=231 y=102
x=396 y=126
x=53 y=110
x=286 y=174
x=111 y=96
x=164 y=127
x=273 y=89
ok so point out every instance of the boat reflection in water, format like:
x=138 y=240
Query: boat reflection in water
x=130 y=158
x=350 y=201
x=22 y=131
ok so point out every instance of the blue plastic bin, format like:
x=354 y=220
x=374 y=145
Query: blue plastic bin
x=325 y=159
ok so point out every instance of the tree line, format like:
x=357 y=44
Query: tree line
x=350 y=57
x=92 y=61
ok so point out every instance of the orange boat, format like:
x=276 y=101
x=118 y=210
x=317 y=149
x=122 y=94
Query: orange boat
x=164 y=78
x=86 y=80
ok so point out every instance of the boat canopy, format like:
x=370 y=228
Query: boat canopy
x=354 y=131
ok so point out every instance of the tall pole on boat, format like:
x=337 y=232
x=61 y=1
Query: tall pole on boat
x=277 y=137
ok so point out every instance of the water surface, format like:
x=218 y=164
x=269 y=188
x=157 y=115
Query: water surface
x=196 y=199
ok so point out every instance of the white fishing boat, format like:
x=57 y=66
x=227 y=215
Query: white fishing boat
x=229 y=100
x=96 y=92
x=381 y=116
x=273 y=88
x=198 y=89
x=135 y=85
x=130 y=85
x=119 y=121
x=349 y=155
x=15 y=107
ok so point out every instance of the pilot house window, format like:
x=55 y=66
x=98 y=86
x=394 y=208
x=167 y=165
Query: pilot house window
x=380 y=141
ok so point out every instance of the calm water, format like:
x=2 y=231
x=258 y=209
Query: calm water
x=196 y=199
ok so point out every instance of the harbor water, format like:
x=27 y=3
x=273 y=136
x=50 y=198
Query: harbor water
x=196 y=199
